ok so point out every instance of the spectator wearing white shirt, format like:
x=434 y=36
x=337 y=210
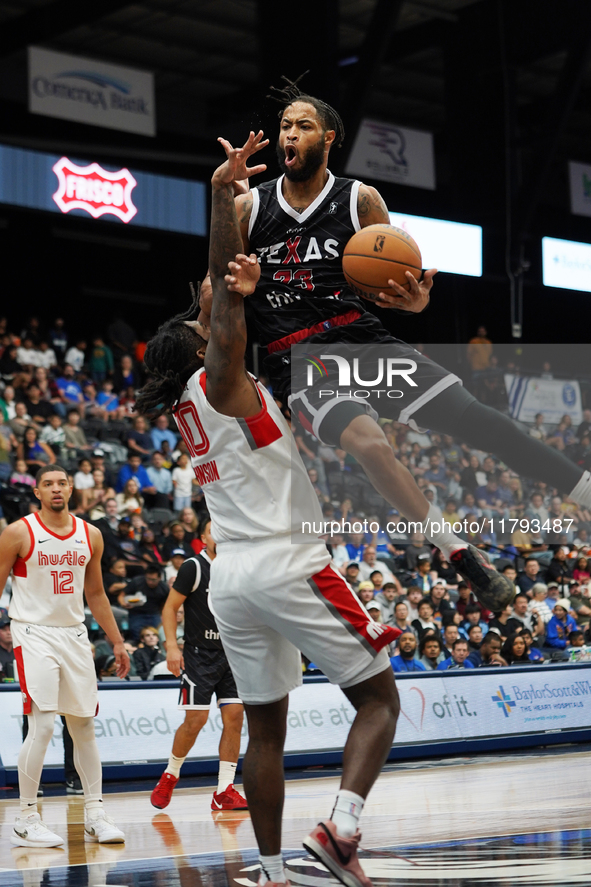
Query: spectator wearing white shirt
x=183 y=479
x=370 y=563
x=75 y=355
x=26 y=354
x=45 y=356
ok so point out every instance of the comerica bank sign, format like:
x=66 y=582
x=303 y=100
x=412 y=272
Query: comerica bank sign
x=88 y=91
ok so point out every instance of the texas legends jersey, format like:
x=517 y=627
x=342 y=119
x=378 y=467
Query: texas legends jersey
x=302 y=283
x=192 y=581
x=253 y=478
x=48 y=583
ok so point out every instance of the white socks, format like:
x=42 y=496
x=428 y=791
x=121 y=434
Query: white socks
x=444 y=538
x=582 y=492
x=174 y=765
x=271 y=868
x=346 y=813
x=226 y=775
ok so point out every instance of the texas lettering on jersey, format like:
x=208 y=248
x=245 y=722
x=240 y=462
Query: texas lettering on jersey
x=300 y=255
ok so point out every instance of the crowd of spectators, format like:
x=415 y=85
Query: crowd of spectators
x=71 y=402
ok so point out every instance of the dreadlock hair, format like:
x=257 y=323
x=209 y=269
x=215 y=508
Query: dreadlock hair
x=291 y=93
x=171 y=360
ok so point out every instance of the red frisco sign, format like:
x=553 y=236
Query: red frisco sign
x=94 y=190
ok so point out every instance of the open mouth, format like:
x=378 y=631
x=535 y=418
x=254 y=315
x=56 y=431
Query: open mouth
x=290 y=155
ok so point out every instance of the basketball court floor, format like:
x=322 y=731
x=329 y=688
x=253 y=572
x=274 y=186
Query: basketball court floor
x=522 y=819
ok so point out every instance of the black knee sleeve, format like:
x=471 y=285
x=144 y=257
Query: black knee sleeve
x=458 y=413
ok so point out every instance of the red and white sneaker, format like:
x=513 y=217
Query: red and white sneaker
x=339 y=855
x=229 y=799
x=163 y=792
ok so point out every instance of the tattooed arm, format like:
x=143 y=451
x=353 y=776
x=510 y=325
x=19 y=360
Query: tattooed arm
x=372 y=210
x=229 y=389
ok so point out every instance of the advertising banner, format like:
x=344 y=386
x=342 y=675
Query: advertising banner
x=88 y=91
x=137 y=725
x=57 y=184
x=552 y=397
x=393 y=154
x=566 y=264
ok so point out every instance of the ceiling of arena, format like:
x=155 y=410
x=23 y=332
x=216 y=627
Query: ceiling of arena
x=396 y=60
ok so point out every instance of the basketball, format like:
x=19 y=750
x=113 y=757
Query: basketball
x=377 y=254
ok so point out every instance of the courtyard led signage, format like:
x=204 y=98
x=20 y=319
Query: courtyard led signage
x=566 y=264
x=454 y=247
x=94 y=190
x=108 y=193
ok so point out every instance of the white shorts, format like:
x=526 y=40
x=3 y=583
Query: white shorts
x=272 y=599
x=55 y=668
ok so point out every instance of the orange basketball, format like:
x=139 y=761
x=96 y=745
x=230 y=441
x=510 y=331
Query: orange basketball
x=377 y=254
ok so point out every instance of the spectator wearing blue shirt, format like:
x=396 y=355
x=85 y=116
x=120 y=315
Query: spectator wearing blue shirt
x=560 y=626
x=161 y=479
x=489 y=653
x=69 y=389
x=436 y=475
x=161 y=432
x=458 y=658
x=534 y=654
x=106 y=398
x=405 y=661
x=134 y=468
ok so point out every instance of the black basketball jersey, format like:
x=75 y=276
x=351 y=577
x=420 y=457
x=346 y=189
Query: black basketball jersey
x=192 y=581
x=302 y=283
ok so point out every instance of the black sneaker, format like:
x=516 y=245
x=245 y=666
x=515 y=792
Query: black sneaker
x=74 y=787
x=493 y=590
x=39 y=792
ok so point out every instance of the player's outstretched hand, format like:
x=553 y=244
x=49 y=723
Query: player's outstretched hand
x=122 y=660
x=414 y=300
x=244 y=274
x=235 y=169
x=174 y=660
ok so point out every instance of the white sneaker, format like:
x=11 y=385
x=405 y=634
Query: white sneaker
x=102 y=830
x=29 y=831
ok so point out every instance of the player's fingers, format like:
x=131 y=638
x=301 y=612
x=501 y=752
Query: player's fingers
x=255 y=170
x=402 y=293
x=253 y=259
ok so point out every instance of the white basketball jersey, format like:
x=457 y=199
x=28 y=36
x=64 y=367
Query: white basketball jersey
x=254 y=480
x=48 y=584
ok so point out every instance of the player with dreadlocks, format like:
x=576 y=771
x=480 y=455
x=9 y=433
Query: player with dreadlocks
x=297 y=226
x=273 y=593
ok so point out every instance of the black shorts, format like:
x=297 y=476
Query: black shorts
x=311 y=380
x=206 y=672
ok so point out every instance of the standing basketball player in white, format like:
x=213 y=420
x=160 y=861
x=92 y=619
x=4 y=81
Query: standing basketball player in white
x=272 y=596
x=55 y=559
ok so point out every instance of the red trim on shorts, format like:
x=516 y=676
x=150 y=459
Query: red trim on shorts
x=287 y=341
x=20 y=665
x=305 y=423
x=333 y=587
x=32 y=548
x=47 y=530
x=85 y=525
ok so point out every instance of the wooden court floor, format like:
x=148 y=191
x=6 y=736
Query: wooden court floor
x=523 y=819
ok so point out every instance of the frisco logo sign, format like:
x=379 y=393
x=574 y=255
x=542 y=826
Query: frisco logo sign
x=95 y=190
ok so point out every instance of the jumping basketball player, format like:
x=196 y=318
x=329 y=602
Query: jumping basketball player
x=272 y=595
x=55 y=560
x=298 y=225
x=204 y=670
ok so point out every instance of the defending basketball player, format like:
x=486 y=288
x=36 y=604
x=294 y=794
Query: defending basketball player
x=272 y=596
x=55 y=559
x=204 y=670
x=298 y=226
